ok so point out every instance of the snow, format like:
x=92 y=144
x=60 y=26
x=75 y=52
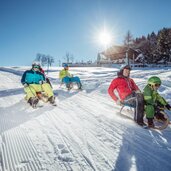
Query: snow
x=140 y=57
x=84 y=132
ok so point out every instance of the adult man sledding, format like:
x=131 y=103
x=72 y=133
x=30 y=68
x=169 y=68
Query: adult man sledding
x=34 y=82
x=129 y=93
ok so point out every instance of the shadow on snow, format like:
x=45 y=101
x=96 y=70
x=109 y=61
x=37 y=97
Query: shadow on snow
x=10 y=92
x=144 y=150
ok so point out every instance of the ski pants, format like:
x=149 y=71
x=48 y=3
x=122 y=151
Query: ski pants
x=33 y=88
x=149 y=110
x=152 y=110
x=136 y=100
x=68 y=80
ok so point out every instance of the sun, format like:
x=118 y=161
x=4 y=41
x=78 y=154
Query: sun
x=105 y=38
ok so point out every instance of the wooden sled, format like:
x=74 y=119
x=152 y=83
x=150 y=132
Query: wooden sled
x=159 y=124
x=42 y=96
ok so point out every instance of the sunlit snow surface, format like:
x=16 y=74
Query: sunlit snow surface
x=84 y=132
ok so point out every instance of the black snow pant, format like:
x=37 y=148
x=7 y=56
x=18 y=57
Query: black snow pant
x=136 y=100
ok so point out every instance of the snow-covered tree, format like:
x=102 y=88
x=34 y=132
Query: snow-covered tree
x=164 y=44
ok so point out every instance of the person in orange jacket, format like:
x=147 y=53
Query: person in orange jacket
x=129 y=93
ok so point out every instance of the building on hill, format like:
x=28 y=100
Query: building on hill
x=118 y=55
x=81 y=64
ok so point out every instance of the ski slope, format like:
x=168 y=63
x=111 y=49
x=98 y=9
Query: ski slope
x=84 y=132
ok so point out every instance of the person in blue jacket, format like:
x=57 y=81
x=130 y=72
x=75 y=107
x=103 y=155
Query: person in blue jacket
x=34 y=82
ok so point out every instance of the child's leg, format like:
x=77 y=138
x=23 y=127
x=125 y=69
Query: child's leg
x=67 y=81
x=149 y=110
x=75 y=79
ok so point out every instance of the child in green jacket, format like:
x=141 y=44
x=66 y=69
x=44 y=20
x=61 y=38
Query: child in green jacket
x=153 y=100
x=68 y=78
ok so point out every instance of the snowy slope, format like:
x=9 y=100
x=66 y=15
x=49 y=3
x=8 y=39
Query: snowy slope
x=84 y=132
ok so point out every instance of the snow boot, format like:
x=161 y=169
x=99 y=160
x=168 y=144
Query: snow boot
x=141 y=123
x=51 y=100
x=33 y=101
x=150 y=122
x=160 y=117
x=68 y=86
x=79 y=86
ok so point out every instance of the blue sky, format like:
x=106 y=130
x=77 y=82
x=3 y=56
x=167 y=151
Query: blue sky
x=54 y=27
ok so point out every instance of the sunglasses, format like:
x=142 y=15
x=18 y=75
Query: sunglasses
x=157 y=85
x=36 y=66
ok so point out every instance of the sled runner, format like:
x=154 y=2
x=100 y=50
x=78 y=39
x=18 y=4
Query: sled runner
x=34 y=101
x=128 y=112
x=42 y=96
x=71 y=86
x=159 y=124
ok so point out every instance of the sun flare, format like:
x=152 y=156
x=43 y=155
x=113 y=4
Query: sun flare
x=105 y=38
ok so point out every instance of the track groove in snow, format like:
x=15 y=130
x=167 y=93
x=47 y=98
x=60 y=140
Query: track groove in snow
x=83 y=133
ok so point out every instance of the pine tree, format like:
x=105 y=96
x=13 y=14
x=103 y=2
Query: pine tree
x=164 y=44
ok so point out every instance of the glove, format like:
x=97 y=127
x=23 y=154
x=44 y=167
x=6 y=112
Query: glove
x=25 y=85
x=42 y=82
x=118 y=102
x=168 y=106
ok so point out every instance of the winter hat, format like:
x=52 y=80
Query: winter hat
x=154 y=80
x=125 y=66
x=65 y=65
x=36 y=63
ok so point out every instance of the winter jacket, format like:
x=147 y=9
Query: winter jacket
x=124 y=87
x=152 y=98
x=32 y=77
x=63 y=73
x=42 y=71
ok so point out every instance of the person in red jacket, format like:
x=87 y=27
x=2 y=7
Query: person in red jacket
x=129 y=93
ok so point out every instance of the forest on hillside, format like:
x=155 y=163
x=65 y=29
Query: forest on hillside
x=156 y=47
